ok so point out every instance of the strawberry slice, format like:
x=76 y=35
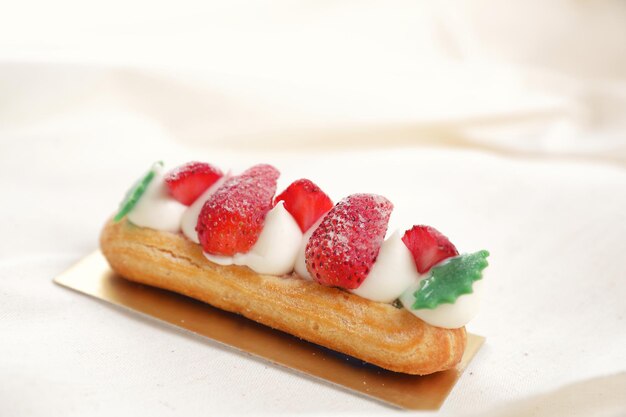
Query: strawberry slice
x=343 y=248
x=186 y=182
x=305 y=201
x=232 y=219
x=428 y=247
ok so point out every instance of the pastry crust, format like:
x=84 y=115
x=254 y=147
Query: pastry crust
x=377 y=333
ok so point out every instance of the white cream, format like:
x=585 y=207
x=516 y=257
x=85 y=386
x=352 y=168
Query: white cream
x=450 y=316
x=300 y=266
x=190 y=216
x=156 y=209
x=392 y=273
x=275 y=251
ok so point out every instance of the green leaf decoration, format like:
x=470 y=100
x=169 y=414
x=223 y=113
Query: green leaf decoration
x=450 y=280
x=136 y=191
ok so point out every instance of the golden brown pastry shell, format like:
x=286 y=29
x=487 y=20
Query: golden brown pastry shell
x=375 y=332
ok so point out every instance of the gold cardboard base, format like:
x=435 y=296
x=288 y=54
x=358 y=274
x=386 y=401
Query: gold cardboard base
x=92 y=276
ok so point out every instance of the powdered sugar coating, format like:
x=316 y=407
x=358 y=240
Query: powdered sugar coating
x=231 y=220
x=188 y=181
x=344 y=247
x=191 y=168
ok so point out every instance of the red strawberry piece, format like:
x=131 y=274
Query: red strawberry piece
x=232 y=219
x=343 y=248
x=428 y=247
x=186 y=182
x=305 y=201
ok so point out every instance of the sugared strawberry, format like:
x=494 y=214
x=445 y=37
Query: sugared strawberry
x=305 y=201
x=186 y=182
x=343 y=248
x=428 y=247
x=231 y=220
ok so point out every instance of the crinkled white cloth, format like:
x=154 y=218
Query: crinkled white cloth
x=527 y=162
x=554 y=314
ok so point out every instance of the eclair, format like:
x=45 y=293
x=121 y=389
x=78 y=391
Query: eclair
x=300 y=264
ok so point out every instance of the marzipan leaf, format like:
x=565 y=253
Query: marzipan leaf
x=136 y=191
x=450 y=280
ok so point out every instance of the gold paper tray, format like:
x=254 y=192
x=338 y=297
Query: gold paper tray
x=92 y=276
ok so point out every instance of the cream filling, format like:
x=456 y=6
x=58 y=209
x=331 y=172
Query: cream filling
x=156 y=209
x=392 y=273
x=300 y=266
x=190 y=216
x=275 y=251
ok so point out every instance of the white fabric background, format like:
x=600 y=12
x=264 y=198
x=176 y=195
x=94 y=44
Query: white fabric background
x=501 y=126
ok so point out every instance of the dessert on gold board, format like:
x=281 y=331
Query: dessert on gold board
x=399 y=303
